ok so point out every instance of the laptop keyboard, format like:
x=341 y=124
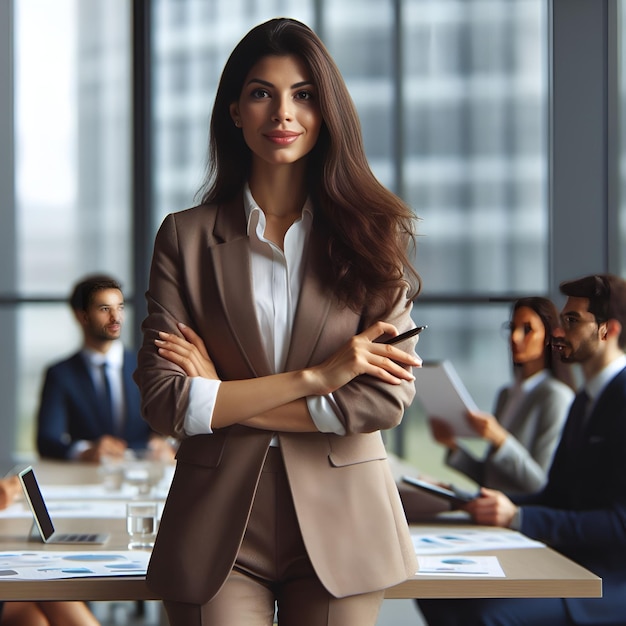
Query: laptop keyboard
x=77 y=537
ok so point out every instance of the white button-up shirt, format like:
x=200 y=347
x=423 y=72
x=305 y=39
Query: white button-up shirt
x=276 y=282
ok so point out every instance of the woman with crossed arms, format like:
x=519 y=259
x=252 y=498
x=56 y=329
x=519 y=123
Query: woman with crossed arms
x=262 y=353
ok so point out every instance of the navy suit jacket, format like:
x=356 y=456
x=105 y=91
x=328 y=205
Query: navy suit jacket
x=70 y=410
x=581 y=512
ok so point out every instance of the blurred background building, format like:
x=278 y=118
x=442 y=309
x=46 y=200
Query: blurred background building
x=498 y=121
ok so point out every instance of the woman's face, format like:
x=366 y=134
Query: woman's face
x=278 y=110
x=528 y=336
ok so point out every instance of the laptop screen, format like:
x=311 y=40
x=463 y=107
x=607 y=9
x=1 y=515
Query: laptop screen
x=36 y=502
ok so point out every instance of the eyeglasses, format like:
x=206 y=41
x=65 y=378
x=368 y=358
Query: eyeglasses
x=571 y=322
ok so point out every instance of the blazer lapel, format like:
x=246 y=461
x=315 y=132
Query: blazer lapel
x=233 y=276
x=521 y=412
x=312 y=311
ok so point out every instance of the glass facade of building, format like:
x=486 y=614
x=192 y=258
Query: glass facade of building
x=453 y=97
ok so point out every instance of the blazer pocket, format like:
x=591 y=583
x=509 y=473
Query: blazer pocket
x=203 y=450
x=353 y=449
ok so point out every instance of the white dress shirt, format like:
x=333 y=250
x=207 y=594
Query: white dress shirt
x=596 y=385
x=276 y=282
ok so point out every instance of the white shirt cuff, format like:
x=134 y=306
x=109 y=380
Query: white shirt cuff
x=324 y=413
x=202 y=395
x=77 y=448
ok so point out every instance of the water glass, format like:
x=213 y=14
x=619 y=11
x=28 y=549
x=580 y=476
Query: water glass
x=141 y=524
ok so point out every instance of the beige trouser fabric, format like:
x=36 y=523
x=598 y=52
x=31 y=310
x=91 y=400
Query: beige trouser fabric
x=273 y=566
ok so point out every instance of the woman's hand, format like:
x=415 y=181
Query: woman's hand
x=487 y=427
x=188 y=352
x=361 y=355
x=264 y=398
x=442 y=432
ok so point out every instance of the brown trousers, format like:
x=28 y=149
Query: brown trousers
x=273 y=567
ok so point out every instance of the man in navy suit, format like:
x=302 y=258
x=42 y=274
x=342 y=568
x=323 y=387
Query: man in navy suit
x=581 y=511
x=90 y=406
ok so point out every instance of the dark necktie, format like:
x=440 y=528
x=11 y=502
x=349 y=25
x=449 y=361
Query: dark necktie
x=107 y=401
x=577 y=419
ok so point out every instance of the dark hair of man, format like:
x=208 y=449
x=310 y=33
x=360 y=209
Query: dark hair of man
x=369 y=233
x=549 y=315
x=607 y=298
x=84 y=291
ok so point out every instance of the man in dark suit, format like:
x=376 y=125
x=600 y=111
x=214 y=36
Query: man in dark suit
x=581 y=512
x=90 y=405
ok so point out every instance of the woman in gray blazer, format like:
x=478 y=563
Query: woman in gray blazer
x=525 y=429
x=266 y=307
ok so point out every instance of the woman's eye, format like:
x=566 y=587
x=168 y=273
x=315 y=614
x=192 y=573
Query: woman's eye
x=260 y=93
x=304 y=95
x=527 y=328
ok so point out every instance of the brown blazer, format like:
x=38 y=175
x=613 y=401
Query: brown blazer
x=345 y=497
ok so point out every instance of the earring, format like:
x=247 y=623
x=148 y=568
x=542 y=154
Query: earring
x=237 y=123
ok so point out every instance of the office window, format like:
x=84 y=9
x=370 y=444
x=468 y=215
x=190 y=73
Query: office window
x=475 y=166
x=458 y=127
x=72 y=134
x=621 y=239
x=475 y=170
x=465 y=145
x=360 y=37
x=189 y=53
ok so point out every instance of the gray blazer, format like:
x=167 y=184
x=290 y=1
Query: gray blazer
x=344 y=494
x=522 y=462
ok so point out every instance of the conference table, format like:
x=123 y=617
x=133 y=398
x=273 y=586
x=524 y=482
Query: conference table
x=529 y=571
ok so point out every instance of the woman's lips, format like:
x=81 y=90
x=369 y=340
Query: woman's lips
x=282 y=138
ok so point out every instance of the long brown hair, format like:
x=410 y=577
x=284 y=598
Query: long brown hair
x=368 y=231
x=549 y=315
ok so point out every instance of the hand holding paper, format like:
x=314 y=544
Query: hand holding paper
x=442 y=394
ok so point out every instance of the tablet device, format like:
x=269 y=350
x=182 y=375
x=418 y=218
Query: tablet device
x=42 y=518
x=452 y=493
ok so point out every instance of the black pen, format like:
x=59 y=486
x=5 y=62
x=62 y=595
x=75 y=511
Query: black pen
x=406 y=335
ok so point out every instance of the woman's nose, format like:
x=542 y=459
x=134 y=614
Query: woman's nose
x=282 y=112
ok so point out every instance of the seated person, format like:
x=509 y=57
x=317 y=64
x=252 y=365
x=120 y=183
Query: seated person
x=39 y=613
x=90 y=405
x=581 y=511
x=529 y=414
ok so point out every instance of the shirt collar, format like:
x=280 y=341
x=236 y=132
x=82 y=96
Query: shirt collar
x=533 y=381
x=255 y=216
x=113 y=357
x=596 y=385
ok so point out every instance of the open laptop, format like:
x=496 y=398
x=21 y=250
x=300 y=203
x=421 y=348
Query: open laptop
x=42 y=518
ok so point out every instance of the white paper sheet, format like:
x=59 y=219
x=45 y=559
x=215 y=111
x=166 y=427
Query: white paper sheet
x=62 y=509
x=441 y=392
x=40 y=565
x=466 y=540
x=482 y=566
